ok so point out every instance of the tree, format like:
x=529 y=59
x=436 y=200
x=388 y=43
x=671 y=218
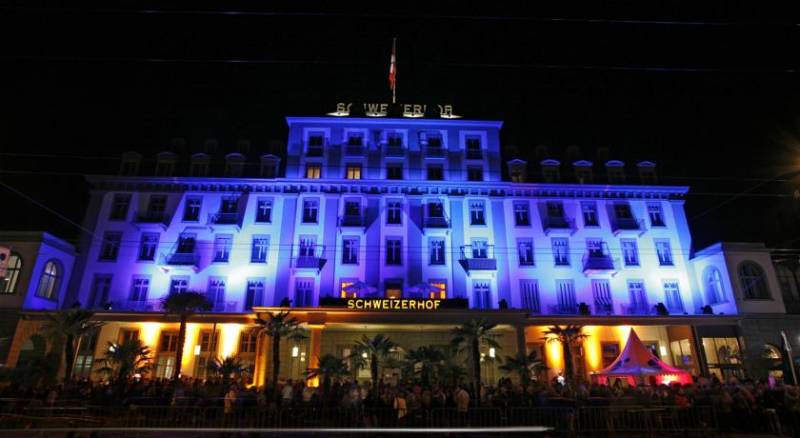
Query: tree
x=183 y=304
x=424 y=361
x=330 y=367
x=38 y=367
x=450 y=370
x=226 y=368
x=64 y=331
x=377 y=349
x=280 y=326
x=469 y=337
x=525 y=365
x=122 y=361
x=568 y=336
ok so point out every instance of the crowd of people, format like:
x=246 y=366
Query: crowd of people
x=738 y=404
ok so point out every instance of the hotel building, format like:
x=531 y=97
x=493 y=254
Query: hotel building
x=382 y=207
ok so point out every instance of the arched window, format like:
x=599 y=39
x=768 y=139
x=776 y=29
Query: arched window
x=754 y=282
x=8 y=283
x=715 y=291
x=50 y=280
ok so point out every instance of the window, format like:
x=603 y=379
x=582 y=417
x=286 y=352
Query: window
x=434 y=141
x=346 y=289
x=622 y=210
x=119 y=207
x=101 y=286
x=315 y=145
x=254 y=295
x=787 y=282
x=481 y=295
x=394 y=171
x=721 y=353
x=522 y=213
x=477 y=213
x=589 y=210
x=127 y=334
x=435 y=209
x=199 y=165
x=109 y=247
x=393 y=252
x=303 y=292
x=656 y=214
x=269 y=167
x=307 y=246
x=480 y=248
x=222 y=247
x=165 y=166
x=672 y=296
x=353 y=171
x=148 y=245
x=394 y=212
x=310 y=211
x=583 y=174
x=229 y=205
x=8 y=283
x=140 y=286
x=715 y=291
x=594 y=248
x=393 y=288
x=560 y=251
x=435 y=172
x=473 y=147
x=753 y=281
x=178 y=284
x=191 y=209
x=664 y=253
x=630 y=252
x=355 y=139
x=474 y=173
x=551 y=173
x=436 y=246
x=156 y=207
x=638 y=297
x=234 y=165
x=525 y=251
x=186 y=242
x=130 y=164
x=260 y=247
x=565 y=296
x=248 y=340
x=350 y=247
x=555 y=209
x=169 y=342
x=439 y=289
x=215 y=293
x=50 y=281
x=601 y=292
x=209 y=341
x=394 y=139
x=610 y=352
x=352 y=212
x=616 y=172
x=529 y=292
x=165 y=366
x=313 y=171
x=264 y=210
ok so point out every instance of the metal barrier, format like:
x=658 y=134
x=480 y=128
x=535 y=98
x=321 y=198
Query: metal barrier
x=645 y=419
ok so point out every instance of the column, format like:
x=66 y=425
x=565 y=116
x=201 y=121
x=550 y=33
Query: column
x=522 y=344
x=315 y=346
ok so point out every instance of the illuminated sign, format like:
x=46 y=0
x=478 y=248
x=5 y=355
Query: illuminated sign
x=392 y=304
x=410 y=110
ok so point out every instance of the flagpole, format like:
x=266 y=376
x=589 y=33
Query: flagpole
x=394 y=54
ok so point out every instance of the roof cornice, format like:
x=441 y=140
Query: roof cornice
x=290 y=120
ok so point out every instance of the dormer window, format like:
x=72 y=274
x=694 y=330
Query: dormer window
x=165 y=164
x=130 y=164
x=234 y=164
x=550 y=171
x=316 y=143
x=199 y=165
x=583 y=172
x=269 y=166
x=518 y=170
x=615 y=171
x=355 y=139
x=647 y=172
x=473 y=147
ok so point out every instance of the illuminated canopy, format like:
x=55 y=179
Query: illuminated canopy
x=637 y=362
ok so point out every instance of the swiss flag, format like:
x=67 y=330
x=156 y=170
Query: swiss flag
x=392 y=67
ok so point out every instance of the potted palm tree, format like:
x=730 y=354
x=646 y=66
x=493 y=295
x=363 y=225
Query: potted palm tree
x=227 y=368
x=280 y=325
x=64 y=330
x=330 y=368
x=526 y=366
x=423 y=361
x=377 y=349
x=183 y=304
x=123 y=361
x=469 y=337
x=568 y=336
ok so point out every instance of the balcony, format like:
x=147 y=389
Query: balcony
x=351 y=150
x=627 y=225
x=434 y=152
x=599 y=264
x=478 y=258
x=394 y=151
x=436 y=222
x=636 y=309
x=153 y=305
x=223 y=219
x=603 y=309
x=553 y=224
x=563 y=309
x=151 y=219
x=180 y=259
x=225 y=306
x=351 y=220
x=310 y=258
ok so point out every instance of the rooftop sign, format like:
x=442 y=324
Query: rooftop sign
x=407 y=110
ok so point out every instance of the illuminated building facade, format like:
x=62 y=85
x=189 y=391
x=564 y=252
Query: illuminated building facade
x=394 y=208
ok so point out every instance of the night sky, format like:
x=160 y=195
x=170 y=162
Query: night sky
x=710 y=93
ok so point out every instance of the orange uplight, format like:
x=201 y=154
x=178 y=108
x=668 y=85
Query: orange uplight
x=192 y=330
x=555 y=358
x=230 y=334
x=148 y=334
x=592 y=348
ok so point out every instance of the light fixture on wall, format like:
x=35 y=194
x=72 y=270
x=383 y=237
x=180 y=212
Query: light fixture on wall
x=663 y=350
x=491 y=352
x=295 y=351
x=197 y=350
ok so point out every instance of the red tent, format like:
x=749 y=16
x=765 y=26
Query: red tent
x=637 y=364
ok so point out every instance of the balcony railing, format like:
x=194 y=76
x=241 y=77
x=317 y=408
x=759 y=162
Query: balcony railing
x=434 y=152
x=563 y=309
x=180 y=259
x=603 y=309
x=554 y=223
x=436 y=222
x=351 y=220
x=225 y=306
x=311 y=258
x=627 y=224
x=394 y=151
x=354 y=150
x=593 y=263
x=478 y=258
x=637 y=309
x=152 y=305
x=221 y=218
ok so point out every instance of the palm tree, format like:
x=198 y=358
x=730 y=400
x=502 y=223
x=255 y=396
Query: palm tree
x=183 y=304
x=470 y=336
x=451 y=369
x=377 y=350
x=122 y=361
x=64 y=330
x=280 y=326
x=525 y=365
x=424 y=359
x=227 y=368
x=38 y=367
x=568 y=336
x=330 y=367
